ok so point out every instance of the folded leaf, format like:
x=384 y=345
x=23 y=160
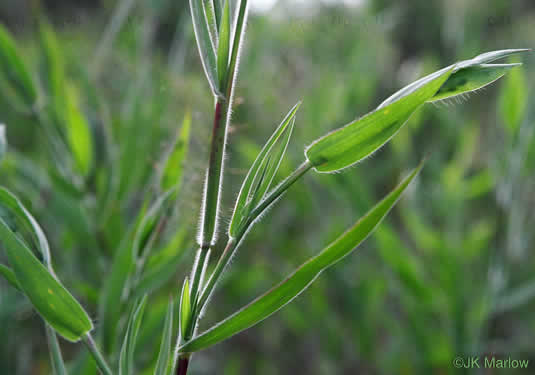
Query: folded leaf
x=126 y=358
x=261 y=174
x=13 y=71
x=360 y=138
x=357 y=140
x=295 y=284
x=79 y=134
x=204 y=44
x=55 y=304
x=223 y=49
x=470 y=79
x=173 y=163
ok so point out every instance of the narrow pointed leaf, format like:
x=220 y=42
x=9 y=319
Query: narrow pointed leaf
x=357 y=140
x=162 y=364
x=13 y=71
x=256 y=171
x=238 y=38
x=211 y=20
x=27 y=221
x=55 y=304
x=149 y=223
x=223 y=49
x=126 y=358
x=274 y=164
x=218 y=11
x=457 y=67
x=295 y=284
x=173 y=164
x=185 y=308
x=10 y=277
x=488 y=57
x=204 y=44
x=53 y=72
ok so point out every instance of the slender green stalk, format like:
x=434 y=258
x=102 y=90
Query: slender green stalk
x=55 y=351
x=97 y=355
x=233 y=243
x=214 y=175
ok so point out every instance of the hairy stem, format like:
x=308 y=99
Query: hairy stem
x=233 y=243
x=97 y=355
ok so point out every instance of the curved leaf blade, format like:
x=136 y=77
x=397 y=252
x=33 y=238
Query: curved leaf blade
x=14 y=71
x=126 y=357
x=48 y=296
x=173 y=163
x=162 y=364
x=357 y=140
x=251 y=185
x=295 y=284
x=10 y=277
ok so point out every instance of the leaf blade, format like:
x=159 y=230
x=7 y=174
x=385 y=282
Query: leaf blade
x=162 y=364
x=126 y=357
x=240 y=212
x=357 y=140
x=286 y=291
x=48 y=296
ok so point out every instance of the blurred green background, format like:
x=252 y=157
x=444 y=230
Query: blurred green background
x=450 y=272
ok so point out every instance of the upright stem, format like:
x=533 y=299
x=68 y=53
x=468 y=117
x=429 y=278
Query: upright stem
x=97 y=355
x=233 y=243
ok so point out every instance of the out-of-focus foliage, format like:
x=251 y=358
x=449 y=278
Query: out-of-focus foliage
x=449 y=274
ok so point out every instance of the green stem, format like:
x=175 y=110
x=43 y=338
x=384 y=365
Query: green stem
x=218 y=271
x=55 y=351
x=233 y=243
x=97 y=355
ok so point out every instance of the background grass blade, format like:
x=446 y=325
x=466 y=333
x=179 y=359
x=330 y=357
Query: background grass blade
x=126 y=358
x=295 y=284
x=360 y=138
x=223 y=48
x=162 y=364
x=27 y=221
x=55 y=304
